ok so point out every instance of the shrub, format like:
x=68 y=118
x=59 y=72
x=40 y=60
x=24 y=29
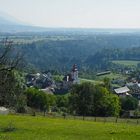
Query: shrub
x=9 y=128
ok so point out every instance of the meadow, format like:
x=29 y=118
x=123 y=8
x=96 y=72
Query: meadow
x=44 y=128
x=99 y=79
x=82 y=80
x=126 y=62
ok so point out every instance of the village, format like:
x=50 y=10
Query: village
x=46 y=83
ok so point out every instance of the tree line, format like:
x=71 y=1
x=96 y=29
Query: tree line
x=84 y=99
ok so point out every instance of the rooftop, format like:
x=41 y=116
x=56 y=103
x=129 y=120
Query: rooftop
x=122 y=90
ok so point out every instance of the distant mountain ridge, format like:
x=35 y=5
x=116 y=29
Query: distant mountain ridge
x=11 y=24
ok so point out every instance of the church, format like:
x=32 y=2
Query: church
x=72 y=77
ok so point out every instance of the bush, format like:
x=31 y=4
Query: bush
x=128 y=103
x=9 y=128
x=39 y=100
x=21 y=110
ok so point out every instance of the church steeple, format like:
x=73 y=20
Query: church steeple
x=74 y=74
x=74 y=69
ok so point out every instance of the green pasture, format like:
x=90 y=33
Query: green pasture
x=126 y=62
x=82 y=80
x=43 y=128
x=110 y=76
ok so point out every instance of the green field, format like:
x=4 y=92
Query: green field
x=99 y=79
x=111 y=76
x=41 y=128
x=82 y=80
x=126 y=62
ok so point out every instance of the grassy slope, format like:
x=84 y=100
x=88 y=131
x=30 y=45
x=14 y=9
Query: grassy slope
x=82 y=80
x=127 y=62
x=99 y=79
x=111 y=76
x=39 y=128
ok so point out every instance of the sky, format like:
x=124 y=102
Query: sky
x=75 y=13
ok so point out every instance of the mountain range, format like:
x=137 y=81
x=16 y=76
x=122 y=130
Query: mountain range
x=11 y=24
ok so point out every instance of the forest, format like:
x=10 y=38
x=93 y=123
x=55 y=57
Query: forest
x=92 y=52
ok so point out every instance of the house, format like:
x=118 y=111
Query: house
x=134 y=89
x=122 y=91
x=44 y=81
x=131 y=89
x=40 y=80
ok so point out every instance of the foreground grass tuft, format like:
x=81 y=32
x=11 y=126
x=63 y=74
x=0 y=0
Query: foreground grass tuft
x=9 y=128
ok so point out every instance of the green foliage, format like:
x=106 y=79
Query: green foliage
x=57 y=78
x=58 y=52
x=102 y=49
x=38 y=99
x=81 y=98
x=89 y=99
x=127 y=62
x=110 y=105
x=62 y=103
x=9 y=128
x=107 y=83
x=12 y=86
x=21 y=104
x=129 y=103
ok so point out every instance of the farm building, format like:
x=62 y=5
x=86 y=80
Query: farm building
x=103 y=73
x=122 y=91
x=134 y=89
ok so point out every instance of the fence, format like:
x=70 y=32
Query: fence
x=99 y=119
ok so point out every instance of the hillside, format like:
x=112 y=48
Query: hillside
x=94 y=52
x=58 y=49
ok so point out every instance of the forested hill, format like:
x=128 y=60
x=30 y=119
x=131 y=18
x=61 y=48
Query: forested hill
x=90 y=51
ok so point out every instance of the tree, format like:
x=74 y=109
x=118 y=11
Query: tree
x=62 y=102
x=96 y=100
x=107 y=83
x=10 y=58
x=12 y=86
x=81 y=99
x=11 y=81
x=129 y=103
x=39 y=100
x=110 y=106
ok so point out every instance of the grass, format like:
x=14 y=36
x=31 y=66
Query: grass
x=126 y=62
x=110 y=76
x=41 y=128
x=99 y=79
x=82 y=80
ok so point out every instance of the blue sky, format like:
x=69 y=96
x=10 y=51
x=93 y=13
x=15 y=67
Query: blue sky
x=75 y=13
